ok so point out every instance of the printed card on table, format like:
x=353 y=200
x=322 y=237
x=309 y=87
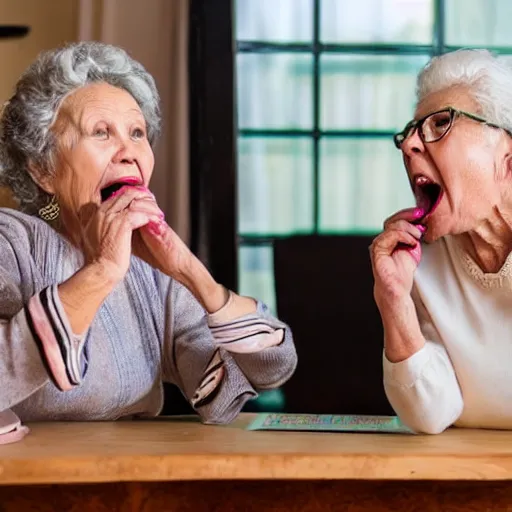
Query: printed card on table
x=329 y=423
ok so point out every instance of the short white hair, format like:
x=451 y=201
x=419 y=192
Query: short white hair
x=487 y=77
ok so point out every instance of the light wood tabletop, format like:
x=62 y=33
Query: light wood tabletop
x=177 y=449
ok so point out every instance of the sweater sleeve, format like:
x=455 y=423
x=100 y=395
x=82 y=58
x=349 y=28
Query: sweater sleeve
x=36 y=343
x=261 y=344
x=423 y=389
x=210 y=358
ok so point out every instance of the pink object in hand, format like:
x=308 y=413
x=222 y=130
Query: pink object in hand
x=419 y=213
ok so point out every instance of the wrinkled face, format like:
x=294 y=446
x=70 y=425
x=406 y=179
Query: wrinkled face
x=462 y=177
x=102 y=144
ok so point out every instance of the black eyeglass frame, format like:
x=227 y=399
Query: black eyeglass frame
x=417 y=124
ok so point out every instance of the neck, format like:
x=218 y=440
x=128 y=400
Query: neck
x=68 y=225
x=490 y=243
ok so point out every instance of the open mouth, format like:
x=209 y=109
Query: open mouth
x=111 y=189
x=428 y=194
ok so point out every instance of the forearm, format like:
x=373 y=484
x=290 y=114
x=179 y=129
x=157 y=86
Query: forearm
x=269 y=368
x=402 y=332
x=221 y=358
x=37 y=345
x=23 y=368
x=260 y=344
x=83 y=294
x=423 y=389
x=211 y=295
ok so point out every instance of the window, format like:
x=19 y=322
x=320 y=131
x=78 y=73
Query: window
x=321 y=87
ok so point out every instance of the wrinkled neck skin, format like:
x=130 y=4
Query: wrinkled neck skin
x=69 y=226
x=490 y=243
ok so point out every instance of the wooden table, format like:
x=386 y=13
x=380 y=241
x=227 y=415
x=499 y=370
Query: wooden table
x=179 y=464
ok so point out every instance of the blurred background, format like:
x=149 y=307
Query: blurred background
x=276 y=163
x=322 y=86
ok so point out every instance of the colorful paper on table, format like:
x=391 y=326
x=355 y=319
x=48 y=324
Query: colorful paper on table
x=329 y=423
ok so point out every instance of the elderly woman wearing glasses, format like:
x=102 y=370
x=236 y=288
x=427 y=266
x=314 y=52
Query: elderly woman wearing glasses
x=446 y=306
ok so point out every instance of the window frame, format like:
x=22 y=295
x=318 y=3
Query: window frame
x=214 y=128
x=212 y=145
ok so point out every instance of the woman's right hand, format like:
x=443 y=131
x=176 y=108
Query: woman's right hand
x=108 y=228
x=395 y=254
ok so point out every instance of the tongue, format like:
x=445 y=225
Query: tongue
x=425 y=199
x=423 y=205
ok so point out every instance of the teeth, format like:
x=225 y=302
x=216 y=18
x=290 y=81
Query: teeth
x=421 y=180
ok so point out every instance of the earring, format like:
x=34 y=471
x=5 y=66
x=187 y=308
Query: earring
x=51 y=211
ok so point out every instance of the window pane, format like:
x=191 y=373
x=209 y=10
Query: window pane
x=376 y=21
x=275 y=90
x=275 y=185
x=478 y=22
x=262 y=20
x=362 y=182
x=368 y=92
x=256 y=273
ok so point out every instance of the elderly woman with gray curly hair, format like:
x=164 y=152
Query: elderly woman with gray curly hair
x=100 y=301
x=446 y=305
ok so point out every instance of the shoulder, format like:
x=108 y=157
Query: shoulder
x=27 y=236
x=16 y=228
x=16 y=223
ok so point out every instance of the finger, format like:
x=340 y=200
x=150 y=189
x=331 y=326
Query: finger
x=390 y=239
x=146 y=204
x=154 y=229
x=409 y=214
x=416 y=230
x=393 y=241
x=415 y=252
x=132 y=220
x=122 y=198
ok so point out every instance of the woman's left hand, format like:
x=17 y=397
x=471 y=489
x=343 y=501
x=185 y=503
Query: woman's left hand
x=163 y=249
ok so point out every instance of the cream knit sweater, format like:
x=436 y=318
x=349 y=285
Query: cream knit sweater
x=463 y=375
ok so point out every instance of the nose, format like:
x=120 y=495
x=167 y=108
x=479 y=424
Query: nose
x=413 y=144
x=125 y=154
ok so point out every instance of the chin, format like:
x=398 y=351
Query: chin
x=430 y=238
x=435 y=231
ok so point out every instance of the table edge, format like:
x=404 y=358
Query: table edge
x=200 y=467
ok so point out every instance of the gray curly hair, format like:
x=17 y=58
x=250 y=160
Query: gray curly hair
x=26 y=137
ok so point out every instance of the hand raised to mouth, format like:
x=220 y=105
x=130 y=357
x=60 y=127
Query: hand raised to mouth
x=107 y=228
x=395 y=255
x=415 y=217
x=428 y=195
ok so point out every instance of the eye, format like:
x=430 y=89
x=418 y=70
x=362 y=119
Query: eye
x=138 y=133
x=100 y=132
x=436 y=125
x=440 y=123
x=441 y=120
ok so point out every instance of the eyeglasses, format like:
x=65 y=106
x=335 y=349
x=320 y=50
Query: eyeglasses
x=436 y=125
